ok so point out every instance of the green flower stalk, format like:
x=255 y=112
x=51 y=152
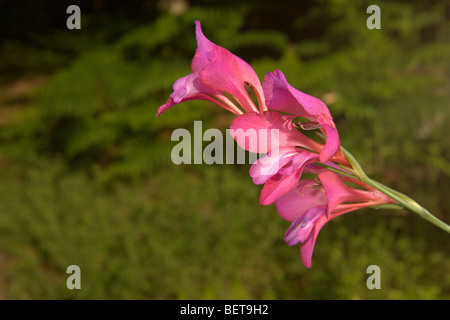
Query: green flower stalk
x=402 y=200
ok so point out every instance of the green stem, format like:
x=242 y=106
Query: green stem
x=341 y=172
x=408 y=203
x=400 y=198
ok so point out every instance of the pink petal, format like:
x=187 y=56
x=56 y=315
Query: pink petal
x=303 y=197
x=170 y=102
x=280 y=184
x=277 y=186
x=261 y=132
x=338 y=192
x=223 y=71
x=267 y=166
x=189 y=88
x=205 y=47
x=281 y=96
x=332 y=144
x=301 y=228
x=307 y=247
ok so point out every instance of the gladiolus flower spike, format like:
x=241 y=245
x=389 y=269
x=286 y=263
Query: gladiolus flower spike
x=340 y=186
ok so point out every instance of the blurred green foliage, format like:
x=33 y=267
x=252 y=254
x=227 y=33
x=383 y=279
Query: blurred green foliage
x=86 y=176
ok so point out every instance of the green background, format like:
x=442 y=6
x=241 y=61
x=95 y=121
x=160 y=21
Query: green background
x=86 y=176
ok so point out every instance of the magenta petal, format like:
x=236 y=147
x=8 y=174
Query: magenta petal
x=290 y=237
x=302 y=158
x=267 y=166
x=261 y=132
x=228 y=73
x=189 y=88
x=332 y=144
x=277 y=186
x=306 y=251
x=281 y=96
x=170 y=103
x=307 y=246
x=285 y=180
x=301 y=228
x=165 y=106
x=223 y=71
x=300 y=199
x=205 y=48
x=280 y=184
x=338 y=192
x=216 y=73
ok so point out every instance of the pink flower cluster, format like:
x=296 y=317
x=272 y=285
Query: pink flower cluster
x=222 y=78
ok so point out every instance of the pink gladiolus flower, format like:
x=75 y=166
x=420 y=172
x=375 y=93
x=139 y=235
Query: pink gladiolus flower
x=296 y=150
x=293 y=152
x=217 y=72
x=311 y=205
x=281 y=173
x=281 y=96
x=268 y=121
